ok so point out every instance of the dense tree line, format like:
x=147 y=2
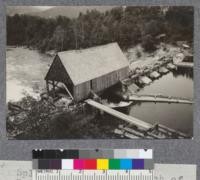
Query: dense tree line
x=127 y=26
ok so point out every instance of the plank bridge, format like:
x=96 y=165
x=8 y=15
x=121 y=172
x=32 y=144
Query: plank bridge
x=185 y=64
x=122 y=116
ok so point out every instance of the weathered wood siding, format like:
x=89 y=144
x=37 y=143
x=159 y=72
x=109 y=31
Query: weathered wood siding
x=108 y=80
x=82 y=91
x=57 y=72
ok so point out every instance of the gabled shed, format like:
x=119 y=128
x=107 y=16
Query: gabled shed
x=93 y=69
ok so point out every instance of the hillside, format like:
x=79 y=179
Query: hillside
x=68 y=11
x=12 y=10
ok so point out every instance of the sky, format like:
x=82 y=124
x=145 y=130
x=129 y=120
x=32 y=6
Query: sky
x=44 y=7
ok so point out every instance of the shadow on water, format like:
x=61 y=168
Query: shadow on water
x=110 y=95
x=183 y=71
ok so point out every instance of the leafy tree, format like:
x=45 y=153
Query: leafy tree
x=58 y=38
x=180 y=23
x=126 y=25
x=148 y=43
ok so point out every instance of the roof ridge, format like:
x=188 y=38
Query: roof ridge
x=86 y=64
x=89 y=48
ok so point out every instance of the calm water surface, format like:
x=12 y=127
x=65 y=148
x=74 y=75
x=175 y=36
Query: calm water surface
x=176 y=116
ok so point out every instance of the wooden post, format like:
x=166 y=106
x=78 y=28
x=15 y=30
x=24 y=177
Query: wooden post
x=68 y=91
x=47 y=86
x=54 y=93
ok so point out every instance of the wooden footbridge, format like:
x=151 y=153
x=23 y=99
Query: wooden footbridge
x=122 y=116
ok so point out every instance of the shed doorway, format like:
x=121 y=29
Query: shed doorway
x=91 y=87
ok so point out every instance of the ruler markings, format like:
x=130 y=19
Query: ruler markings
x=92 y=175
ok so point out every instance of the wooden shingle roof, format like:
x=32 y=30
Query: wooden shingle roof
x=87 y=64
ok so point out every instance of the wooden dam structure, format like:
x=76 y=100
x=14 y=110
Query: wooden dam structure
x=185 y=64
x=91 y=71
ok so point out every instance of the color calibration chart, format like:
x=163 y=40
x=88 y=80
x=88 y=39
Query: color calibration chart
x=98 y=164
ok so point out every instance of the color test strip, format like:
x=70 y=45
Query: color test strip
x=67 y=164
x=94 y=164
x=126 y=164
x=102 y=164
x=94 y=154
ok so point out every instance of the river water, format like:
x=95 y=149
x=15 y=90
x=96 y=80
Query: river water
x=26 y=70
x=177 y=116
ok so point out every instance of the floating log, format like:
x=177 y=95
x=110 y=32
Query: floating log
x=139 y=133
x=146 y=98
x=164 y=131
x=131 y=136
x=154 y=135
x=161 y=132
x=160 y=126
x=119 y=132
x=132 y=131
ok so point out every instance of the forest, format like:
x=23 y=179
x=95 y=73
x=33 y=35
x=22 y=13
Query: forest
x=126 y=25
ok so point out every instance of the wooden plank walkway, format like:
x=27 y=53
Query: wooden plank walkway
x=185 y=64
x=122 y=116
x=158 y=99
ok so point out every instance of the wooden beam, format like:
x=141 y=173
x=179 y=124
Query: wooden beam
x=122 y=116
x=47 y=86
x=54 y=93
x=68 y=91
x=54 y=83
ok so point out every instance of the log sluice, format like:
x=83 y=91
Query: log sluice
x=136 y=128
x=133 y=127
x=120 y=115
